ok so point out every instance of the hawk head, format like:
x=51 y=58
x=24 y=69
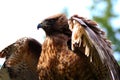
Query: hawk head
x=55 y=24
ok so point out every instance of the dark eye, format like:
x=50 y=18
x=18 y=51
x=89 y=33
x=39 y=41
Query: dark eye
x=51 y=21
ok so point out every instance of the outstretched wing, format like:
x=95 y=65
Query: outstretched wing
x=21 y=59
x=88 y=38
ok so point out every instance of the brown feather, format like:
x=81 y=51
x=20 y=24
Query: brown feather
x=99 y=46
x=21 y=59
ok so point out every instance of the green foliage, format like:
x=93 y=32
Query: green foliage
x=102 y=12
x=119 y=62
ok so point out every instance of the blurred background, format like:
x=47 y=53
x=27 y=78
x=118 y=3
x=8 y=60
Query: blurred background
x=19 y=18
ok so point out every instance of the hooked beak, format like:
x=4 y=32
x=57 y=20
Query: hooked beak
x=39 y=26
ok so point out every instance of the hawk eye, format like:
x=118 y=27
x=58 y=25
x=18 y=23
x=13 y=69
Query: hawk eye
x=53 y=20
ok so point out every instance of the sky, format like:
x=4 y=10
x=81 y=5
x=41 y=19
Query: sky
x=19 y=18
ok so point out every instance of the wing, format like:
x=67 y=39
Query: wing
x=89 y=39
x=21 y=59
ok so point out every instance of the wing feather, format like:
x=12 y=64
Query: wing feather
x=21 y=59
x=96 y=44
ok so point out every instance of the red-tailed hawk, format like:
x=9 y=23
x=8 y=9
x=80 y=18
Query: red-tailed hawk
x=89 y=39
x=21 y=60
x=89 y=59
x=57 y=61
